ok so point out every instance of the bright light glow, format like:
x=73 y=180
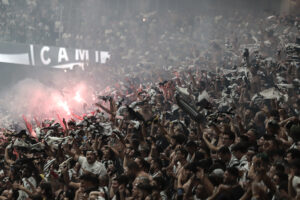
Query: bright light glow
x=47 y=102
x=64 y=105
x=78 y=98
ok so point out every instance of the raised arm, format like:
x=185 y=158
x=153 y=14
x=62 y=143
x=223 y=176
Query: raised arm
x=67 y=150
x=208 y=143
x=104 y=108
x=20 y=187
x=6 y=156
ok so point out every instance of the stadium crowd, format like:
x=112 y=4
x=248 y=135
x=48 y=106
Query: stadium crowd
x=203 y=115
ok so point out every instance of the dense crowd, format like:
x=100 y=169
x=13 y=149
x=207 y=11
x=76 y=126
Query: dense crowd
x=203 y=107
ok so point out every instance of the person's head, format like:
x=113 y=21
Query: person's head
x=204 y=150
x=277 y=155
x=178 y=139
x=159 y=183
x=260 y=162
x=228 y=138
x=180 y=154
x=77 y=166
x=191 y=147
x=131 y=169
x=294 y=132
x=200 y=192
x=260 y=141
x=193 y=134
x=143 y=190
x=248 y=115
x=107 y=153
x=115 y=184
x=130 y=152
x=178 y=128
x=88 y=181
x=46 y=189
x=216 y=175
x=282 y=114
x=71 y=125
x=224 y=154
x=199 y=155
x=122 y=180
x=144 y=150
x=22 y=151
x=250 y=153
x=26 y=171
x=155 y=165
x=188 y=170
x=270 y=143
x=103 y=180
x=90 y=156
x=280 y=177
x=239 y=149
x=274 y=114
x=295 y=168
x=134 y=141
x=251 y=134
x=260 y=117
x=276 y=168
x=272 y=127
x=142 y=163
x=291 y=155
x=231 y=176
x=119 y=180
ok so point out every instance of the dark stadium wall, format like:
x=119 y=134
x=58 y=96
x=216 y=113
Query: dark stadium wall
x=290 y=7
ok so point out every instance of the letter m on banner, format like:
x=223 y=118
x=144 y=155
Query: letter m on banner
x=81 y=54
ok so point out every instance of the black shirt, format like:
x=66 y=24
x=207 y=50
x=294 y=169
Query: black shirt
x=235 y=193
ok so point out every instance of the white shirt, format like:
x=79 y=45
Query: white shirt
x=243 y=164
x=71 y=172
x=234 y=162
x=189 y=157
x=23 y=195
x=95 y=168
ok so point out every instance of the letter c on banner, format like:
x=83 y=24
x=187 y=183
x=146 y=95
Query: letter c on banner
x=45 y=61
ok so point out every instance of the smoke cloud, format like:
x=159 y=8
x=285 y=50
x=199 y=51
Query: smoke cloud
x=34 y=99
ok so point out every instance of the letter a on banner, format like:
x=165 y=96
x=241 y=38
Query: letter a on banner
x=62 y=54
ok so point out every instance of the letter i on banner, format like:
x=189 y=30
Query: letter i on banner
x=32 y=55
x=96 y=56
